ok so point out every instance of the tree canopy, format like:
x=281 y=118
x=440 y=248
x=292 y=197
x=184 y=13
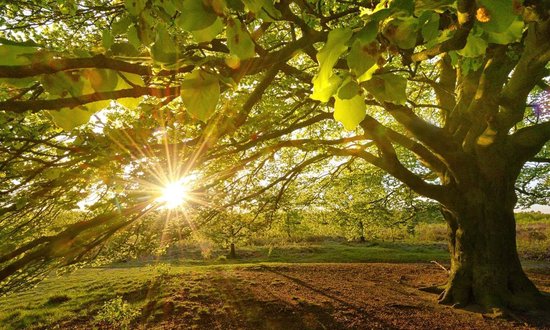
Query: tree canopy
x=104 y=102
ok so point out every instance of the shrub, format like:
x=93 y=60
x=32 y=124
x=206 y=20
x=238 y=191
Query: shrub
x=117 y=312
x=432 y=232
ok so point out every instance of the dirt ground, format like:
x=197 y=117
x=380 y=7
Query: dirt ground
x=320 y=296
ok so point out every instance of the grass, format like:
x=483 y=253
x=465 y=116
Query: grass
x=83 y=294
x=321 y=252
x=352 y=252
x=114 y=293
x=533 y=236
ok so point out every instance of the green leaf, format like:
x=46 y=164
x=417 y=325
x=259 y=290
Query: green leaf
x=132 y=78
x=348 y=89
x=135 y=7
x=499 y=15
x=364 y=53
x=209 y=33
x=325 y=82
x=68 y=119
x=402 y=32
x=443 y=36
x=430 y=25
x=475 y=46
x=121 y=25
x=512 y=34
x=236 y=5
x=97 y=106
x=323 y=89
x=388 y=87
x=61 y=83
x=349 y=112
x=164 y=50
x=368 y=33
x=238 y=40
x=16 y=55
x=405 y=6
x=107 y=39
x=470 y=64
x=133 y=36
x=200 y=92
x=101 y=80
x=145 y=30
x=253 y=6
x=18 y=82
x=379 y=13
x=263 y=9
x=130 y=102
x=124 y=49
x=438 y=6
x=194 y=15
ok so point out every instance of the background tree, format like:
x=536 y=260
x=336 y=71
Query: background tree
x=432 y=93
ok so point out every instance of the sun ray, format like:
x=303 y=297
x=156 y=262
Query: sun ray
x=174 y=194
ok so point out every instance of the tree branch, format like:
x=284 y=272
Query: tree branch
x=400 y=172
x=430 y=135
x=466 y=18
x=57 y=65
x=528 y=141
x=527 y=73
x=72 y=102
x=370 y=124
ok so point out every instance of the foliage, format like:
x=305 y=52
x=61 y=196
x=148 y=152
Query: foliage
x=102 y=103
x=117 y=312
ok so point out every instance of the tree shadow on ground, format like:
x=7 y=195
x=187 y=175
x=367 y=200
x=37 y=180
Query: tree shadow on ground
x=224 y=302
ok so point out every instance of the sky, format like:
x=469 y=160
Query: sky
x=537 y=208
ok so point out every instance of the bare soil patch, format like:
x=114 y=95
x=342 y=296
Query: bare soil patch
x=321 y=296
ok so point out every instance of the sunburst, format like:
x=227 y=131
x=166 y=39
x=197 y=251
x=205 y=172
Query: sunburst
x=174 y=194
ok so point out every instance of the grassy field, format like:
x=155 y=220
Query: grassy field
x=533 y=235
x=117 y=294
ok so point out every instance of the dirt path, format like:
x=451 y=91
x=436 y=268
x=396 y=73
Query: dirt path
x=325 y=296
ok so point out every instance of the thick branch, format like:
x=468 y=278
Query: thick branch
x=400 y=172
x=527 y=73
x=528 y=141
x=430 y=135
x=483 y=109
x=539 y=160
x=72 y=102
x=57 y=65
x=370 y=125
x=444 y=90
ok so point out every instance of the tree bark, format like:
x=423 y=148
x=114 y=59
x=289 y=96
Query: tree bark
x=485 y=266
x=232 y=252
x=362 y=232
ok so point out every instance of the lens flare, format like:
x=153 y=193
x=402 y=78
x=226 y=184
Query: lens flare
x=174 y=194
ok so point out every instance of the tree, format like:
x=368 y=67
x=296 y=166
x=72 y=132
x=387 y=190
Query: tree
x=441 y=95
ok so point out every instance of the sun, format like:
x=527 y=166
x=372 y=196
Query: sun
x=174 y=194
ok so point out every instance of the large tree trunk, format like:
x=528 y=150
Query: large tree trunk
x=485 y=266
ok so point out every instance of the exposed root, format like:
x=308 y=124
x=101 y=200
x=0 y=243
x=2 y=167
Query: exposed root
x=496 y=313
x=436 y=289
x=441 y=266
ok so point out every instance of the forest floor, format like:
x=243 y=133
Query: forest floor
x=317 y=295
